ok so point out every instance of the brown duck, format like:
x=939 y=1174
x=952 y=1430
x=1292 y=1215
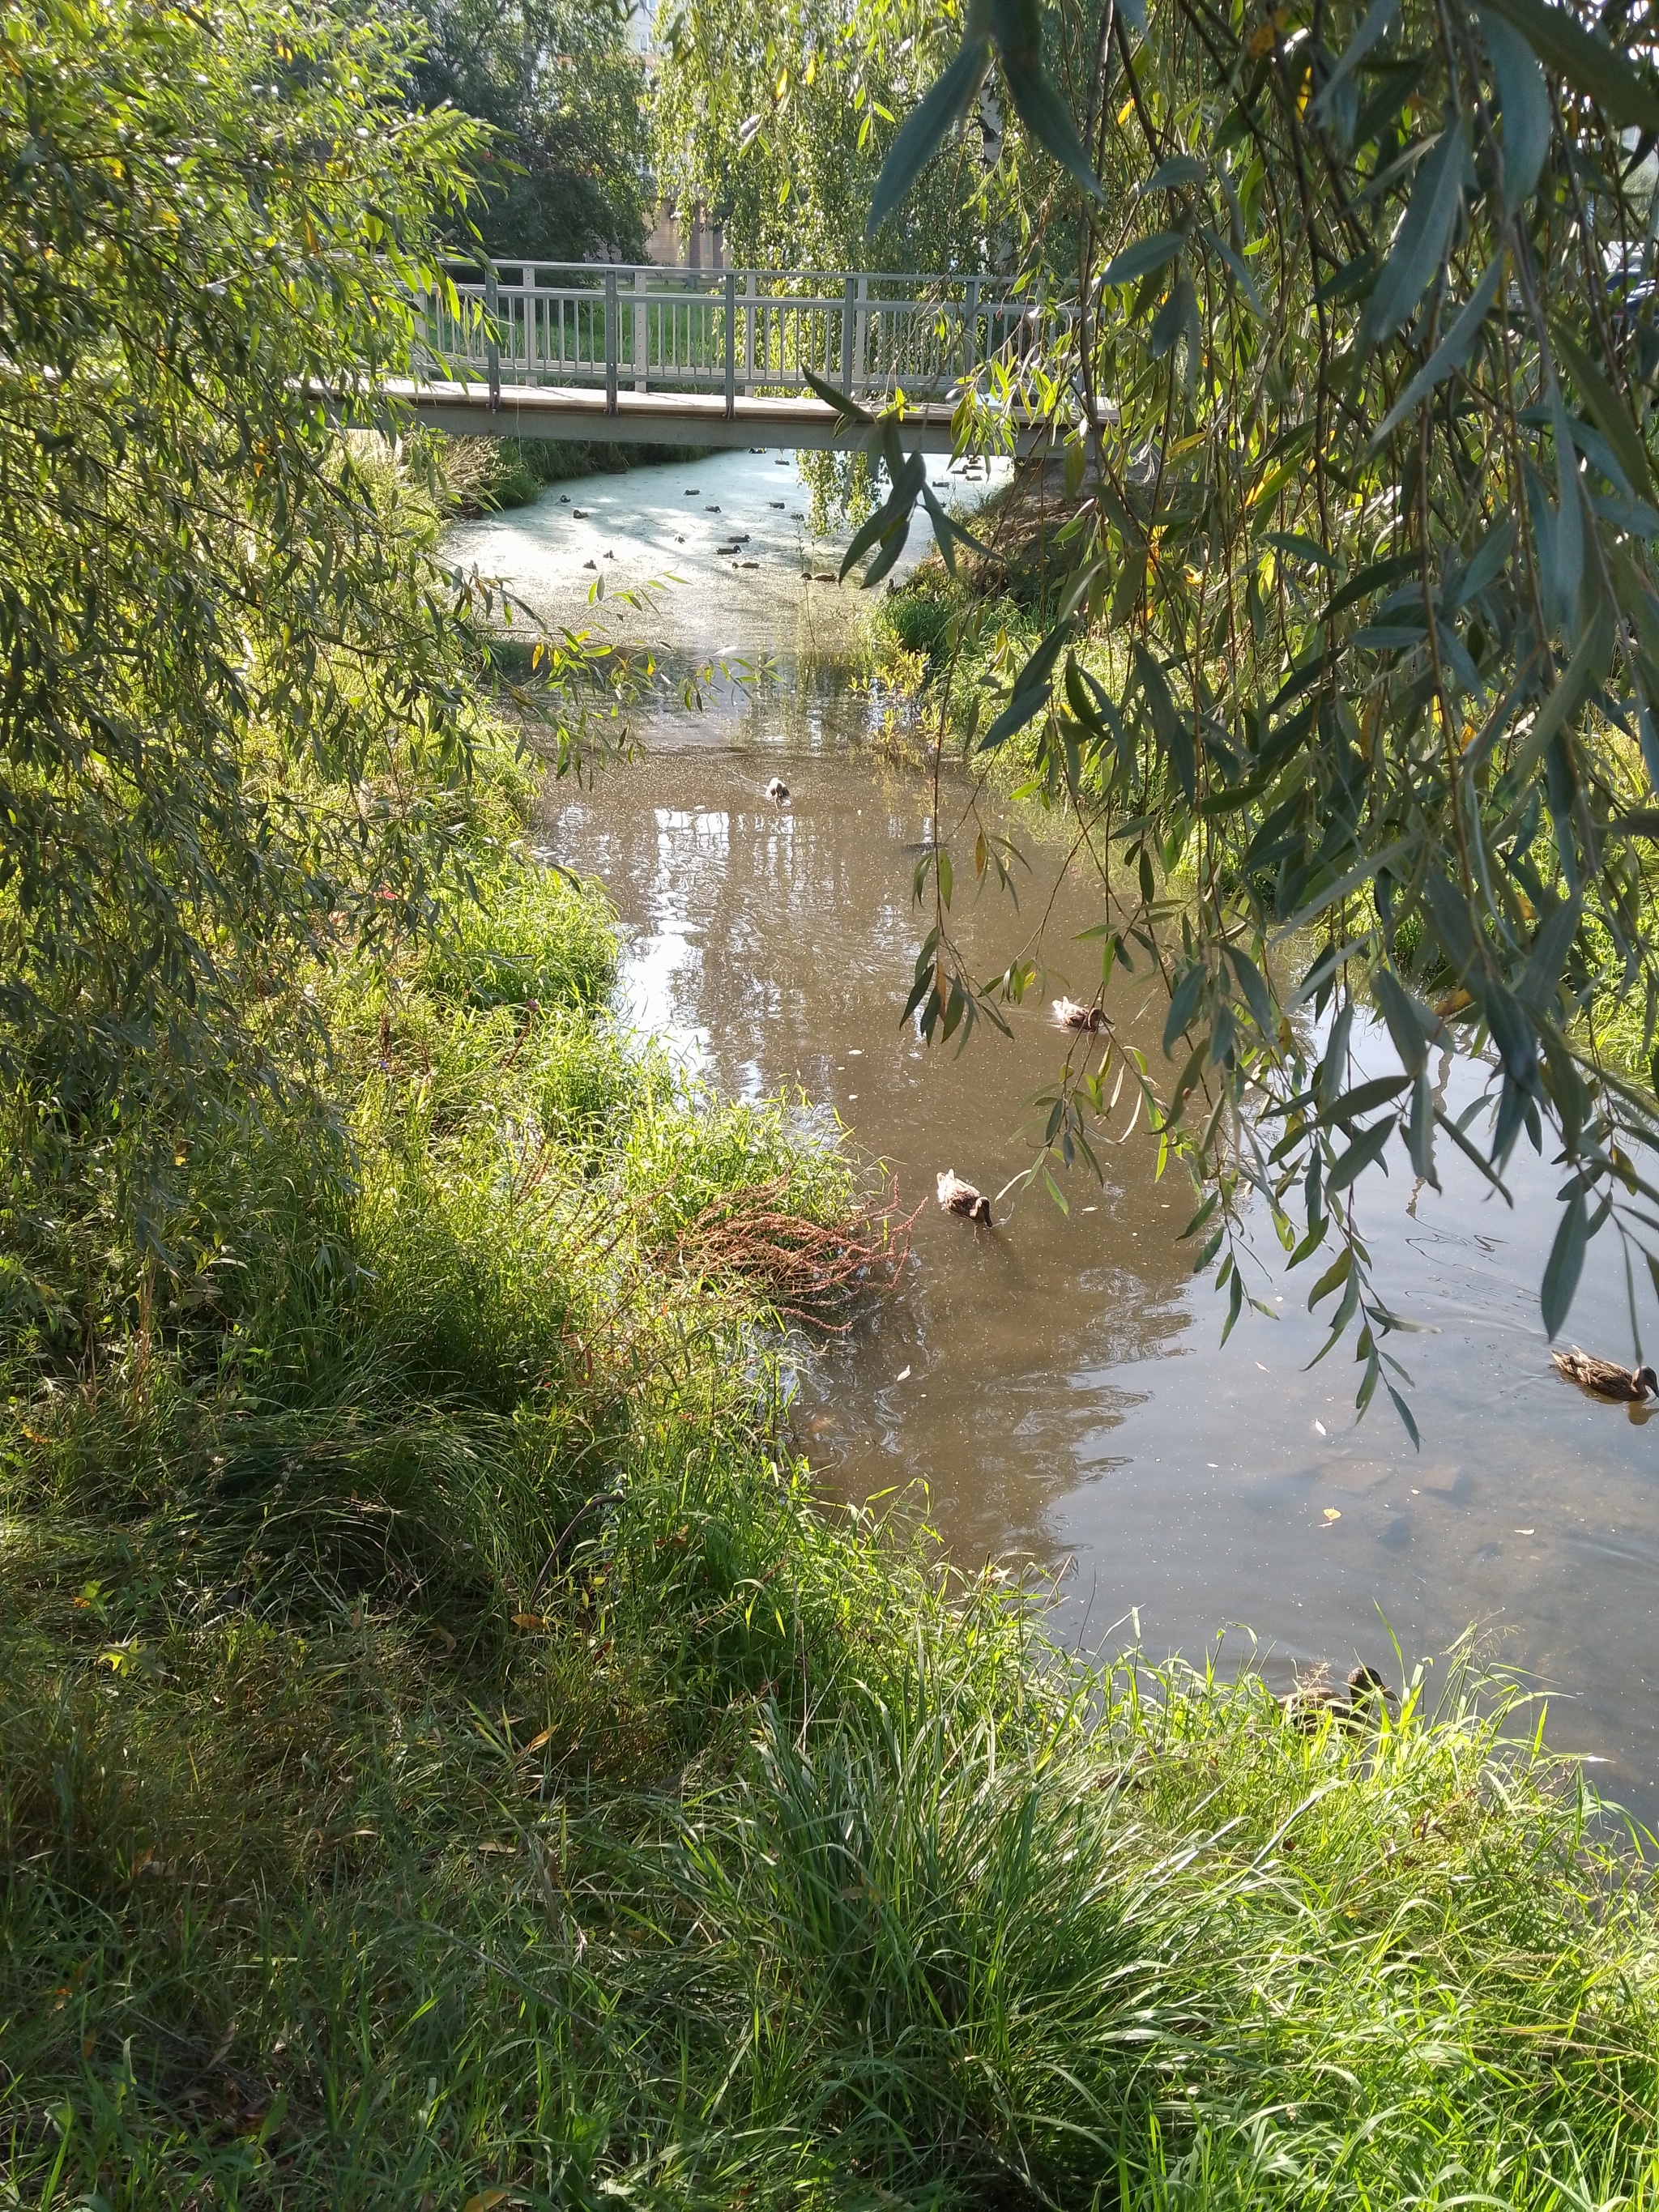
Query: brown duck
x=957 y=1196
x=1071 y=1016
x=1605 y=1378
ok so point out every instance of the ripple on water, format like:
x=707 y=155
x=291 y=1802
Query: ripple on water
x=1058 y=1385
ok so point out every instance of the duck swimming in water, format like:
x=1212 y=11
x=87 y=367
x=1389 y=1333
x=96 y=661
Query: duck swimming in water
x=777 y=790
x=958 y=1197
x=1071 y=1016
x=1605 y=1378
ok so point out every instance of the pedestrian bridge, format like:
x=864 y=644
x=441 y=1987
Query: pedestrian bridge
x=635 y=355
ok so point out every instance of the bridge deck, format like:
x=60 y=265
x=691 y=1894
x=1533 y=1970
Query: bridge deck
x=668 y=418
x=639 y=355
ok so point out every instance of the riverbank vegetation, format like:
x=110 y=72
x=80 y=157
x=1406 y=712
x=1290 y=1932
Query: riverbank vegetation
x=954 y=638
x=446 y=1749
x=447 y=1755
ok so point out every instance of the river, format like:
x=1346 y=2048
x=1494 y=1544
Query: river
x=1053 y=1389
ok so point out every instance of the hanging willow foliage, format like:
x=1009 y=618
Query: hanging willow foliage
x=1362 y=628
x=234 y=724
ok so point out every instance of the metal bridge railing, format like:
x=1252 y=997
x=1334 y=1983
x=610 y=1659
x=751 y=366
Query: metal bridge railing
x=725 y=331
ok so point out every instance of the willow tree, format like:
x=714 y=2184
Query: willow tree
x=775 y=118
x=234 y=724
x=1356 y=672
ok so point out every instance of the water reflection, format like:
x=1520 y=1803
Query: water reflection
x=1057 y=1384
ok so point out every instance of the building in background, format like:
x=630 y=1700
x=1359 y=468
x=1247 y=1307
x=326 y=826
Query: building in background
x=701 y=244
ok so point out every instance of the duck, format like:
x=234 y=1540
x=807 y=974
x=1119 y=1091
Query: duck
x=778 y=790
x=1309 y=1703
x=1369 y=1695
x=958 y=1197
x=1605 y=1378
x=1071 y=1016
x=1369 y=1698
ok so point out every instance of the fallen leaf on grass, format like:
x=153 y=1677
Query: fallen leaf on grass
x=528 y=1620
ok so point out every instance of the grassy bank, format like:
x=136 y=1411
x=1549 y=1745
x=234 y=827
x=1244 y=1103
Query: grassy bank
x=955 y=641
x=445 y=1750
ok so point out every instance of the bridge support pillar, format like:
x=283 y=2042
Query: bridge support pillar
x=731 y=344
x=492 y=335
x=611 y=335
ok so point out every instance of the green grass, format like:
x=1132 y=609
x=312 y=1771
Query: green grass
x=443 y=1746
x=954 y=644
x=531 y=938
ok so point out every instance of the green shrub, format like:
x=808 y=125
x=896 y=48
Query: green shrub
x=918 y=619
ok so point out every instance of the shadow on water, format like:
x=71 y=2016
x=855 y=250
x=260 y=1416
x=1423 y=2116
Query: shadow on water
x=1057 y=1383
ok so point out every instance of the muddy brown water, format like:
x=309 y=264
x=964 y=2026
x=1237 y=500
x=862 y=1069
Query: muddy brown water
x=1055 y=1388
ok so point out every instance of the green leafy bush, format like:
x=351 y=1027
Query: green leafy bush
x=918 y=620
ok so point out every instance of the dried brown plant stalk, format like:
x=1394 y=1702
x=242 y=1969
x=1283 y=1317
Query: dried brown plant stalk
x=808 y=1269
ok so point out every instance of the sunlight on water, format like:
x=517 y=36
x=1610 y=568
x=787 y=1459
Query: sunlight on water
x=665 y=528
x=1057 y=1384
